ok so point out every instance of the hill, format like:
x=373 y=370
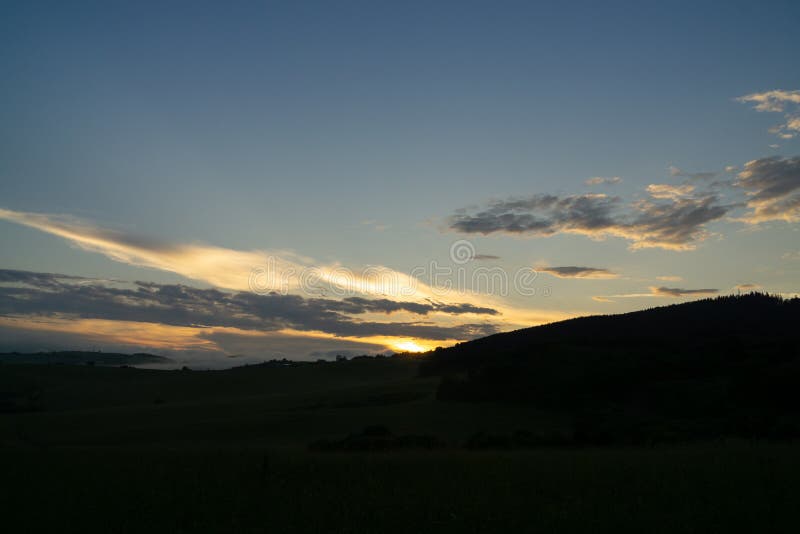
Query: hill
x=81 y=358
x=707 y=368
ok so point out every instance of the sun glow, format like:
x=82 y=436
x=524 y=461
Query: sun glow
x=409 y=346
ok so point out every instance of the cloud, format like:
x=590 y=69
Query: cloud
x=197 y=347
x=540 y=215
x=41 y=280
x=287 y=345
x=669 y=278
x=693 y=176
x=579 y=272
x=218 y=266
x=747 y=287
x=281 y=271
x=778 y=101
x=658 y=292
x=612 y=298
x=679 y=292
x=35 y=334
x=602 y=180
x=773 y=189
x=675 y=223
x=375 y=225
x=263 y=271
x=666 y=191
x=178 y=305
x=234 y=270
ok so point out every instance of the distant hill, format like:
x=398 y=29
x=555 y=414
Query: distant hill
x=729 y=365
x=81 y=358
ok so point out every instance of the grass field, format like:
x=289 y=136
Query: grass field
x=255 y=406
x=127 y=450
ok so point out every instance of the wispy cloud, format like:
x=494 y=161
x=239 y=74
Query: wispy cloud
x=603 y=180
x=669 y=278
x=778 y=101
x=375 y=225
x=218 y=266
x=572 y=271
x=692 y=176
x=658 y=292
x=680 y=292
x=747 y=287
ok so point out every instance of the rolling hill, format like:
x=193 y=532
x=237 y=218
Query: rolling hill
x=709 y=368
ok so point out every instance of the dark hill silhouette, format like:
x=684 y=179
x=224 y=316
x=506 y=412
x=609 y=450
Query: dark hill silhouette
x=74 y=357
x=723 y=366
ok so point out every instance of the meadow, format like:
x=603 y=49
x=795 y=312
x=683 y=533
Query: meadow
x=127 y=450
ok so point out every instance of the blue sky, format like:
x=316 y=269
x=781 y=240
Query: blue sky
x=351 y=133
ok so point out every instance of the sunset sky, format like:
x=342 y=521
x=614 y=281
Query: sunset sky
x=228 y=184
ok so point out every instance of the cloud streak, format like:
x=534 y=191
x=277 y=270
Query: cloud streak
x=603 y=180
x=692 y=176
x=572 y=271
x=658 y=292
x=680 y=292
x=747 y=287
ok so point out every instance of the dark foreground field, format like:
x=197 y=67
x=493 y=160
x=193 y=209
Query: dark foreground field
x=127 y=450
x=700 y=489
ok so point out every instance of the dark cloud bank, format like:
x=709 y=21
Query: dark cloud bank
x=667 y=224
x=26 y=293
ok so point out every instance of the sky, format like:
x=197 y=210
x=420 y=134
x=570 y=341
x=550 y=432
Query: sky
x=232 y=183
